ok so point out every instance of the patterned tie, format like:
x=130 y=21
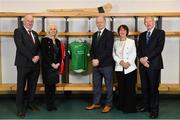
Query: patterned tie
x=148 y=37
x=99 y=35
x=31 y=37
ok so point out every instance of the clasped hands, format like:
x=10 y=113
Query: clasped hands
x=55 y=66
x=144 y=61
x=125 y=65
x=35 y=59
x=95 y=62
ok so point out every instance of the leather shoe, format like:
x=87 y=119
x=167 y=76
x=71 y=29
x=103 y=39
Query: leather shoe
x=106 y=109
x=92 y=107
x=142 y=109
x=21 y=115
x=154 y=115
x=33 y=107
x=52 y=108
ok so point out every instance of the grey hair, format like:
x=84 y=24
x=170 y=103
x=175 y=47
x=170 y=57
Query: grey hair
x=49 y=27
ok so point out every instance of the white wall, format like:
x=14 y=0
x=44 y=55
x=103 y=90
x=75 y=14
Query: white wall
x=171 y=53
x=118 y=5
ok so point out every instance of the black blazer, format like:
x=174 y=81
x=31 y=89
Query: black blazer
x=153 y=49
x=49 y=75
x=25 y=48
x=102 y=49
x=47 y=52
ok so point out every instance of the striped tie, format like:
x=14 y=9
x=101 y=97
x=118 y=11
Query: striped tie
x=148 y=37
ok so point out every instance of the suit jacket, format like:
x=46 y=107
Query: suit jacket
x=129 y=55
x=47 y=52
x=153 y=49
x=50 y=75
x=25 y=48
x=102 y=49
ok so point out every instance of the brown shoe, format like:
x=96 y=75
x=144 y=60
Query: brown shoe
x=92 y=107
x=106 y=109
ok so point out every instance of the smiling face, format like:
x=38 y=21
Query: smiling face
x=100 y=22
x=52 y=30
x=149 y=22
x=28 y=22
x=123 y=31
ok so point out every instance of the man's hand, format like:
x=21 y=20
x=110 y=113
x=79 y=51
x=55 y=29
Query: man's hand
x=35 y=59
x=146 y=65
x=144 y=61
x=95 y=62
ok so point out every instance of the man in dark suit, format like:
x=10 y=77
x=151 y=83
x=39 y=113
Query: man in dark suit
x=27 y=62
x=102 y=62
x=150 y=47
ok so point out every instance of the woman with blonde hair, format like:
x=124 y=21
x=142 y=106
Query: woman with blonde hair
x=51 y=59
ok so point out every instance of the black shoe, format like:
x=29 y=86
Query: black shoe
x=51 y=108
x=119 y=108
x=142 y=109
x=154 y=115
x=54 y=108
x=33 y=107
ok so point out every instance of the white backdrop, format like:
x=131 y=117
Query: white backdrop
x=171 y=53
x=118 y=5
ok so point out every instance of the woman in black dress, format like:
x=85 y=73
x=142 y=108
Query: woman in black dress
x=124 y=54
x=51 y=57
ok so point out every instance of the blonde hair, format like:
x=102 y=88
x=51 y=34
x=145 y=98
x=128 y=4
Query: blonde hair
x=52 y=26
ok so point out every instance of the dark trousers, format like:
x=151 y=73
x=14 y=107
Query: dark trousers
x=98 y=74
x=50 y=90
x=150 y=80
x=26 y=76
x=126 y=89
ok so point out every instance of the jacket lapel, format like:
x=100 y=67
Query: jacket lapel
x=27 y=37
x=35 y=38
x=102 y=35
x=144 y=38
x=152 y=35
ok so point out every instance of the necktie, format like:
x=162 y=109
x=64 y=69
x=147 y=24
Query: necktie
x=31 y=37
x=99 y=35
x=147 y=37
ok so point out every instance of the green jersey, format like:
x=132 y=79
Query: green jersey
x=79 y=55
